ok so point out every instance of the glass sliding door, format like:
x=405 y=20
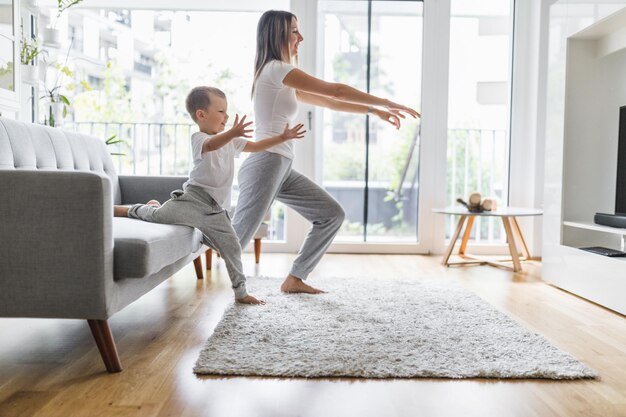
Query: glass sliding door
x=479 y=107
x=395 y=73
x=367 y=165
x=343 y=35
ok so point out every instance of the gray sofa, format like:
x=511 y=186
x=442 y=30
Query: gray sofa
x=62 y=253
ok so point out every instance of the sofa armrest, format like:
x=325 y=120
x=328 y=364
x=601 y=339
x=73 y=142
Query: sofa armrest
x=140 y=189
x=56 y=243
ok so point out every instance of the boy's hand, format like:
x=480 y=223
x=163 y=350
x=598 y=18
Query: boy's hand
x=248 y=299
x=293 y=133
x=240 y=127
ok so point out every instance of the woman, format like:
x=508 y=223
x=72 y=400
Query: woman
x=268 y=176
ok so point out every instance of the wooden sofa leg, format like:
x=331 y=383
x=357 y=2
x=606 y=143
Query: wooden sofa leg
x=257 y=250
x=106 y=345
x=197 y=263
x=209 y=259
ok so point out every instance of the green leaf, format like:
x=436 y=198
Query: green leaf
x=65 y=70
x=86 y=85
x=63 y=5
x=113 y=141
x=64 y=100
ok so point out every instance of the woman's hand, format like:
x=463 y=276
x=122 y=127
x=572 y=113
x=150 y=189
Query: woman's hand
x=293 y=133
x=399 y=109
x=388 y=117
x=240 y=128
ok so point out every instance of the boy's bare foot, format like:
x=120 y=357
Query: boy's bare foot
x=296 y=285
x=120 y=211
x=153 y=203
x=248 y=299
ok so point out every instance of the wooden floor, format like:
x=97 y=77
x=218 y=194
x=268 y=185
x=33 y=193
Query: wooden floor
x=52 y=368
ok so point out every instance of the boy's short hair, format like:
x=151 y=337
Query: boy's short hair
x=199 y=98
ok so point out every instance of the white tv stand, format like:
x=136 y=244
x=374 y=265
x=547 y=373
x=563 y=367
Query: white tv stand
x=595 y=89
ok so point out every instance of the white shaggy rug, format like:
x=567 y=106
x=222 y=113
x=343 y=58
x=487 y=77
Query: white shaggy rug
x=386 y=328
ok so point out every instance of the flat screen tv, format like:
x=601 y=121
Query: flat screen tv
x=620 y=192
x=619 y=218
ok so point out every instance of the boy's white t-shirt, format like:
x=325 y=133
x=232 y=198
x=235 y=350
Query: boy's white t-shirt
x=214 y=171
x=275 y=106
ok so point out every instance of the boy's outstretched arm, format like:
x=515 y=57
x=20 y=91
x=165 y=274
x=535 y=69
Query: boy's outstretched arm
x=239 y=129
x=294 y=133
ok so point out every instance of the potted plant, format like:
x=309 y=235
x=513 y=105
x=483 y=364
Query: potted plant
x=52 y=35
x=57 y=106
x=57 y=103
x=28 y=57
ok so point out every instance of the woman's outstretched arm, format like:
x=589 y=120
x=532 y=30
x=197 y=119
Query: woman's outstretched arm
x=338 y=105
x=304 y=82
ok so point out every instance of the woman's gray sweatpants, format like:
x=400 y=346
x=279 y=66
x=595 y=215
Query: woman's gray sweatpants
x=266 y=176
x=194 y=207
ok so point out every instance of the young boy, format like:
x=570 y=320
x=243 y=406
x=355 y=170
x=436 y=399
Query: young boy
x=207 y=193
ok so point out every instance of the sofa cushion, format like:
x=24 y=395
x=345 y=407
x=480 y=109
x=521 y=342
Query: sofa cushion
x=30 y=146
x=143 y=248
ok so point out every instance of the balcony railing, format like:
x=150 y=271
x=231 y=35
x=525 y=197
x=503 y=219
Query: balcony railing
x=478 y=160
x=149 y=148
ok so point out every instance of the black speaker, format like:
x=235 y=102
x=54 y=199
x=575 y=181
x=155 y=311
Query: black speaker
x=613 y=220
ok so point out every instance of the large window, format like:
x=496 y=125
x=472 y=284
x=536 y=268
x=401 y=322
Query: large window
x=369 y=166
x=140 y=64
x=7 y=46
x=479 y=107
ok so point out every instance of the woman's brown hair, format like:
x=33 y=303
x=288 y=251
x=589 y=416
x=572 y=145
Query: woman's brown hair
x=272 y=40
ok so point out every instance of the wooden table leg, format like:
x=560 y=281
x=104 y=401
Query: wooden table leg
x=466 y=234
x=517 y=266
x=457 y=232
x=522 y=242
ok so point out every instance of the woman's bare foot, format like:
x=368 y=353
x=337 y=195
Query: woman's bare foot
x=120 y=211
x=249 y=299
x=153 y=203
x=296 y=285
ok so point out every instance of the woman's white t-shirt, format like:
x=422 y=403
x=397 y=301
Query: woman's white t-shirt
x=214 y=171
x=275 y=105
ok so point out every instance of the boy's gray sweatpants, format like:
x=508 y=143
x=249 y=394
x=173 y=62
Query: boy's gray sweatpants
x=266 y=176
x=194 y=207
